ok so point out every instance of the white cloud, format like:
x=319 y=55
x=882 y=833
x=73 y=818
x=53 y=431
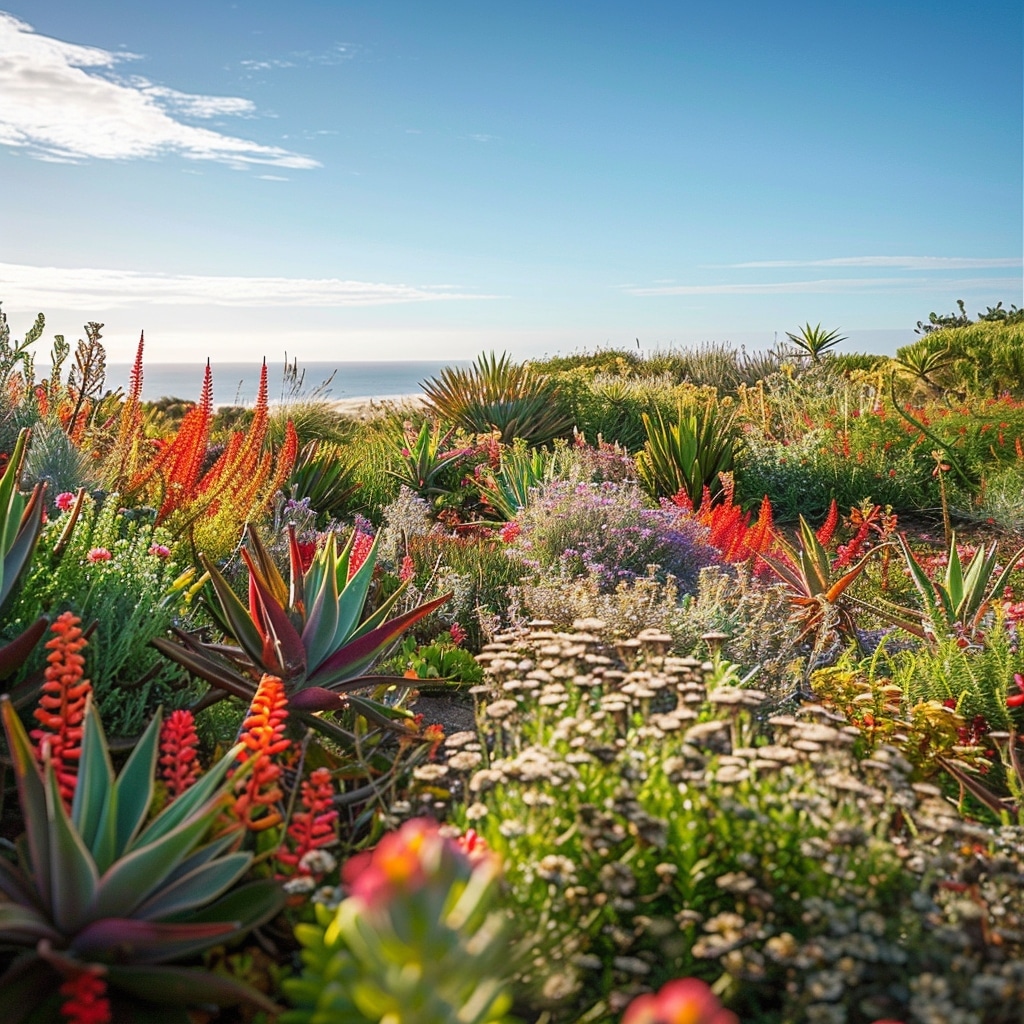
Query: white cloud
x=822 y=287
x=892 y=262
x=64 y=102
x=95 y=290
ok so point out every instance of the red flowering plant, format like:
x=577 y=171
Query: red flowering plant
x=415 y=940
x=683 y=1001
x=101 y=902
x=313 y=633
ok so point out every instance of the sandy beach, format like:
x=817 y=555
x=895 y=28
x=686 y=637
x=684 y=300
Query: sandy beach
x=366 y=406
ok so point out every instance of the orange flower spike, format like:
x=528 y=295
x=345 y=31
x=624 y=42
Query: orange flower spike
x=262 y=736
x=62 y=704
x=179 y=761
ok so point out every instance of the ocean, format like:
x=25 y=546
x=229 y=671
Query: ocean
x=236 y=383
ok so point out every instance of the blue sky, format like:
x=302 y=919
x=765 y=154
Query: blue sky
x=356 y=180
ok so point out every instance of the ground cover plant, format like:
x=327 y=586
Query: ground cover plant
x=726 y=644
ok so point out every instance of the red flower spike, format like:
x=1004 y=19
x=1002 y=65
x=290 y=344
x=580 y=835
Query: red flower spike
x=62 y=704
x=828 y=528
x=179 y=761
x=360 y=550
x=258 y=792
x=86 y=999
x=314 y=825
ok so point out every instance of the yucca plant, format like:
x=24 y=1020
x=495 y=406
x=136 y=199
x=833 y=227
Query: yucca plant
x=312 y=633
x=958 y=602
x=815 y=341
x=99 y=890
x=689 y=454
x=496 y=394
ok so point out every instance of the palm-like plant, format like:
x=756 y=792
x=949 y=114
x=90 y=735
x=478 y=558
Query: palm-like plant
x=688 y=455
x=324 y=475
x=496 y=394
x=101 y=890
x=311 y=633
x=814 y=341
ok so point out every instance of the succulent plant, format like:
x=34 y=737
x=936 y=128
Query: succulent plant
x=312 y=634
x=101 y=890
x=414 y=942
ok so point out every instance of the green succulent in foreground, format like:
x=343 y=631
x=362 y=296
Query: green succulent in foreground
x=102 y=890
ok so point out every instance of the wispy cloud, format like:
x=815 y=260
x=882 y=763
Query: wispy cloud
x=87 y=288
x=890 y=262
x=821 y=287
x=64 y=102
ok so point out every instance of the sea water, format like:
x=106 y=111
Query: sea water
x=236 y=383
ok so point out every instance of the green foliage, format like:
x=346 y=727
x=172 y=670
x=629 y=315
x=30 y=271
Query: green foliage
x=649 y=833
x=987 y=358
x=130 y=595
x=101 y=885
x=506 y=490
x=429 y=464
x=441 y=661
x=496 y=394
x=958 y=602
x=420 y=947
x=53 y=459
x=687 y=454
x=324 y=477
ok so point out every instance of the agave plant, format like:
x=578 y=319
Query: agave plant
x=426 y=458
x=311 y=633
x=100 y=890
x=958 y=602
x=687 y=455
x=499 y=395
x=323 y=475
x=507 y=490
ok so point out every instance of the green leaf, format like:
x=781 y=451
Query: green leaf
x=131 y=879
x=127 y=939
x=90 y=809
x=73 y=874
x=198 y=800
x=250 y=905
x=24 y=926
x=239 y=621
x=134 y=786
x=186 y=986
x=32 y=798
x=199 y=887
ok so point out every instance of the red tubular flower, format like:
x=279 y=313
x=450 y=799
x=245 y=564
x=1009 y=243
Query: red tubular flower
x=314 y=825
x=360 y=549
x=62 y=704
x=684 y=1001
x=86 y=999
x=258 y=792
x=179 y=762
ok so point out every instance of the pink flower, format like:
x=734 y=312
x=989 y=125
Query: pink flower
x=361 y=548
x=98 y=555
x=408 y=569
x=458 y=634
x=684 y=1001
x=64 y=500
x=510 y=531
x=1015 y=700
x=160 y=550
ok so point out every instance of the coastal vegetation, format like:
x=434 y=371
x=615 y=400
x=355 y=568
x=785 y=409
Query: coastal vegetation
x=680 y=687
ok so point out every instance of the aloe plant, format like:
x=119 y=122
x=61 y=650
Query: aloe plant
x=689 y=454
x=102 y=890
x=815 y=341
x=312 y=633
x=821 y=604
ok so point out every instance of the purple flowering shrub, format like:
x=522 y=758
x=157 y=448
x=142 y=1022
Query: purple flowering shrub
x=607 y=531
